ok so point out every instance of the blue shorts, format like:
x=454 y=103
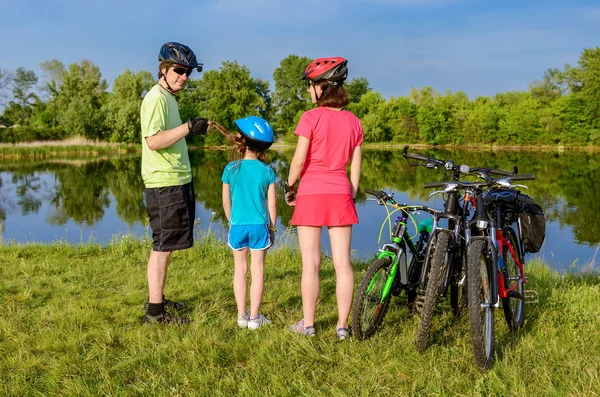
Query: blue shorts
x=255 y=237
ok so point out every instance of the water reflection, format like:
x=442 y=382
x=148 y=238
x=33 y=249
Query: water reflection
x=43 y=200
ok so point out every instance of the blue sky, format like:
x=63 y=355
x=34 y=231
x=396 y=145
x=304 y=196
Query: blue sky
x=480 y=47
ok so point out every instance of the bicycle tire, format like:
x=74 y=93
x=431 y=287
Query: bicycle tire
x=366 y=322
x=481 y=308
x=433 y=288
x=513 y=307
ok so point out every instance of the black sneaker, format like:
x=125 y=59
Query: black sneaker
x=166 y=318
x=168 y=305
x=174 y=305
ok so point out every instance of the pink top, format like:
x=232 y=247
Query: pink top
x=333 y=135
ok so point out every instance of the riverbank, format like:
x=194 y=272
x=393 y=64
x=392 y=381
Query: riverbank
x=72 y=326
x=83 y=147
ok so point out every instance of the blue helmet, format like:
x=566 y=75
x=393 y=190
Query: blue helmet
x=257 y=132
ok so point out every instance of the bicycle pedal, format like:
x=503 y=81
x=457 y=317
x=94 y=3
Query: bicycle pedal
x=531 y=296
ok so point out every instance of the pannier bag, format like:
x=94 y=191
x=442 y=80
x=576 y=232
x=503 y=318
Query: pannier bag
x=533 y=223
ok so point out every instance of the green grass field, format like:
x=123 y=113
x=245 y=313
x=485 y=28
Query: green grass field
x=71 y=325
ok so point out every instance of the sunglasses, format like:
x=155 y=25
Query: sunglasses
x=180 y=71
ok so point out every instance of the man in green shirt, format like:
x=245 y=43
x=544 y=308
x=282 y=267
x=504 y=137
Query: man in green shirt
x=167 y=174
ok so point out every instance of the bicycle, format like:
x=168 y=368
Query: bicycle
x=391 y=273
x=447 y=267
x=445 y=271
x=495 y=266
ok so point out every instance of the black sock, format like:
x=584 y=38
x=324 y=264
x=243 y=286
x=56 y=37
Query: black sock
x=154 y=309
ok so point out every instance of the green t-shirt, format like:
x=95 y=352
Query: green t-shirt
x=169 y=166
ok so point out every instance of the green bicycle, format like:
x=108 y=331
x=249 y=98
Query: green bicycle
x=391 y=273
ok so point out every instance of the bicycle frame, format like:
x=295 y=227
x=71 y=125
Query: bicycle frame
x=394 y=250
x=502 y=290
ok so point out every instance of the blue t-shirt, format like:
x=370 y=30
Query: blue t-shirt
x=248 y=182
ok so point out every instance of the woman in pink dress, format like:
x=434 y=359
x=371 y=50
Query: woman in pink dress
x=329 y=139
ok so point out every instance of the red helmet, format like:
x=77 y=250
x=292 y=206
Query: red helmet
x=334 y=70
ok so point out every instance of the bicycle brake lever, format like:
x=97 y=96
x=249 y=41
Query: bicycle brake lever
x=377 y=200
x=436 y=192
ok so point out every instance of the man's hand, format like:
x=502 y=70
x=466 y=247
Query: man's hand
x=290 y=194
x=198 y=126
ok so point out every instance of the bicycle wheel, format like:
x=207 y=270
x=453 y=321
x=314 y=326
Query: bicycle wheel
x=481 y=308
x=514 y=307
x=439 y=248
x=369 y=305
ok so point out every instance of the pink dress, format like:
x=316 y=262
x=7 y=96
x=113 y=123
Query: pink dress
x=324 y=194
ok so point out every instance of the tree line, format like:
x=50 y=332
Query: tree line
x=562 y=108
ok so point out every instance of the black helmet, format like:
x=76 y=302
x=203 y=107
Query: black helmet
x=180 y=54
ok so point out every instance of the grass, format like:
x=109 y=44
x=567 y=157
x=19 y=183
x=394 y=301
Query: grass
x=71 y=325
x=72 y=146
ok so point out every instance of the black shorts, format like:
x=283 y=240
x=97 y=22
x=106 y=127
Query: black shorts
x=172 y=211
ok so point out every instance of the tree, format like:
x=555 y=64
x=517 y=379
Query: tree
x=224 y=95
x=80 y=99
x=357 y=87
x=520 y=123
x=481 y=124
x=399 y=116
x=369 y=103
x=589 y=62
x=5 y=80
x=122 y=110
x=291 y=96
x=23 y=82
x=54 y=71
x=262 y=89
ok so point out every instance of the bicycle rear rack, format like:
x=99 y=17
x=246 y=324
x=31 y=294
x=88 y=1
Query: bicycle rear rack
x=531 y=296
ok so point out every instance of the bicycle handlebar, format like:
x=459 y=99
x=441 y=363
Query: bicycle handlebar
x=380 y=194
x=463 y=169
x=429 y=185
x=493 y=171
x=523 y=177
x=372 y=192
x=413 y=155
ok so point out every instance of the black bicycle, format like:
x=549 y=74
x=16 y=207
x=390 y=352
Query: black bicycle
x=445 y=271
x=391 y=273
x=447 y=267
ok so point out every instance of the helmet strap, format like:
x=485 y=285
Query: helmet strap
x=323 y=90
x=168 y=86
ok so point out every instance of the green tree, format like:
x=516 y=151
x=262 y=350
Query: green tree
x=520 y=123
x=122 y=109
x=80 y=100
x=5 y=81
x=23 y=83
x=399 y=116
x=291 y=97
x=357 y=87
x=225 y=95
x=434 y=115
x=54 y=71
x=589 y=62
x=481 y=123
x=369 y=103
x=265 y=108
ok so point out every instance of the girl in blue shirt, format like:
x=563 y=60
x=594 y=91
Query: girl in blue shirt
x=249 y=205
